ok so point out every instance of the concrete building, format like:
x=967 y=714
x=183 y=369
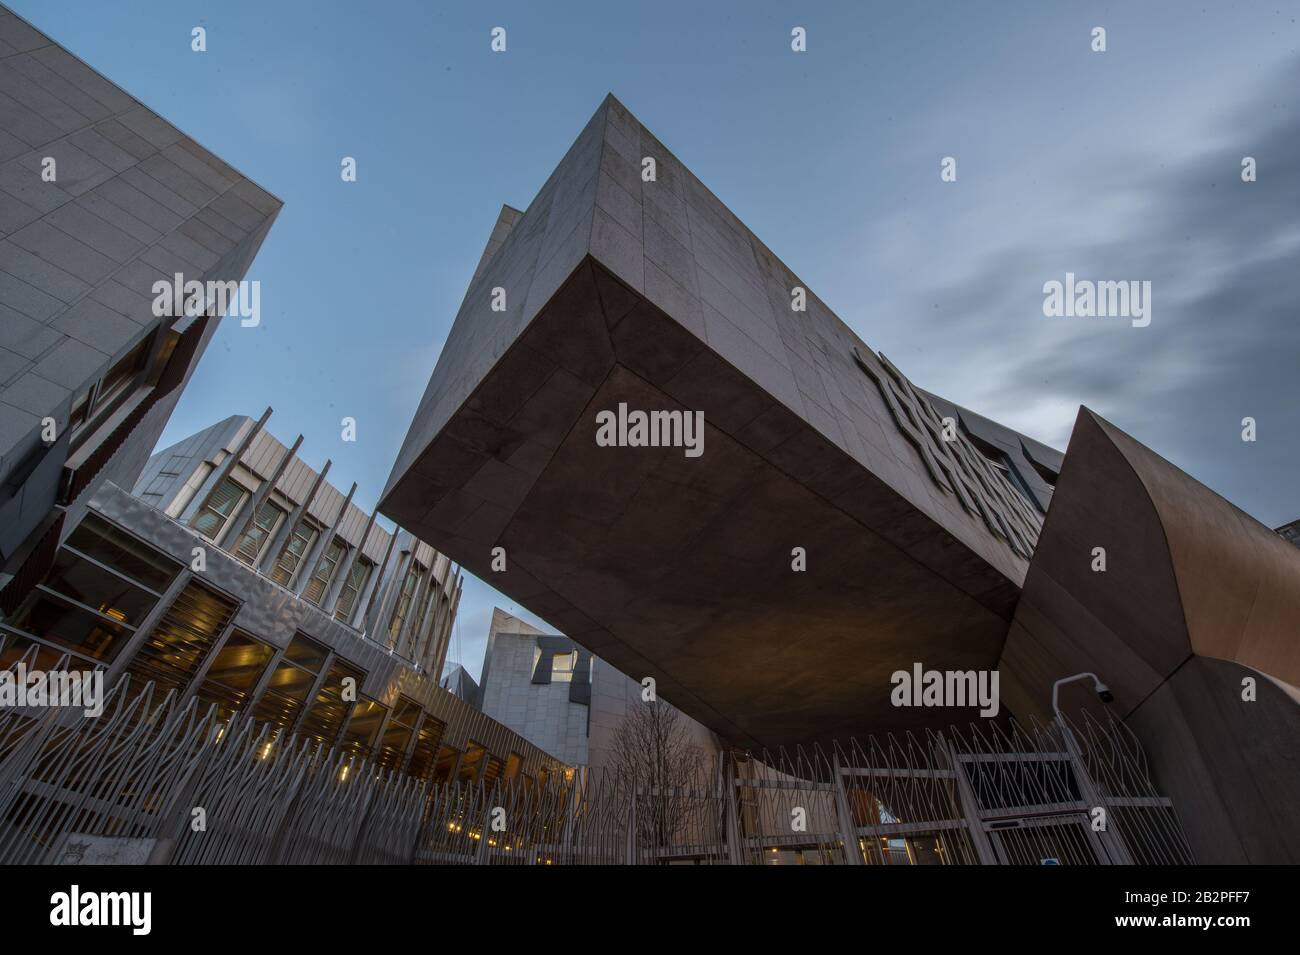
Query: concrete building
x=560 y=696
x=456 y=680
x=791 y=522
x=99 y=199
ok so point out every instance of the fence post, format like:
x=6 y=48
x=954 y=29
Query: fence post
x=969 y=806
x=848 y=831
x=1108 y=843
x=733 y=814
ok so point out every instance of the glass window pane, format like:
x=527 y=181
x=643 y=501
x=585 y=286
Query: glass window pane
x=259 y=532
x=285 y=693
x=469 y=765
x=328 y=711
x=235 y=670
x=367 y=716
x=352 y=588
x=299 y=542
x=171 y=655
x=212 y=516
x=306 y=652
x=99 y=539
x=53 y=619
x=87 y=583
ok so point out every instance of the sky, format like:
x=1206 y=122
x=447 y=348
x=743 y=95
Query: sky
x=1115 y=165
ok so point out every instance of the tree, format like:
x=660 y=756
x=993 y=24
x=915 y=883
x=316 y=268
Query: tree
x=656 y=767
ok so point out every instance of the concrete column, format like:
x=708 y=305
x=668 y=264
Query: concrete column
x=367 y=623
x=848 y=831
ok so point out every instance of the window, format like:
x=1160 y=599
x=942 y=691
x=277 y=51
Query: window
x=265 y=523
x=410 y=584
x=367 y=717
x=328 y=711
x=211 y=519
x=562 y=665
x=398 y=733
x=424 y=757
x=324 y=572
x=469 y=766
x=99 y=589
x=234 y=673
x=295 y=548
x=105 y=543
x=445 y=764
x=291 y=682
x=353 y=587
x=173 y=652
x=514 y=762
x=98 y=401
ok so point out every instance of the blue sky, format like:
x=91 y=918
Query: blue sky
x=1115 y=165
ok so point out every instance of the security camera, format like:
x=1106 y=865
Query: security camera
x=1103 y=691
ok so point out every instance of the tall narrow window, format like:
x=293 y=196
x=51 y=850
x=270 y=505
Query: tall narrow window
x=353 y=588
x=264 y=526
x=211 y=519
x=295 y=548
x=410 y=584
x=324 y=572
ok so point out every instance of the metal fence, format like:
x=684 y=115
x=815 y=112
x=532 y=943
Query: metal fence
x=158 y=779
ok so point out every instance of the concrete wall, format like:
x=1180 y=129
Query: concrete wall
x=133 y=201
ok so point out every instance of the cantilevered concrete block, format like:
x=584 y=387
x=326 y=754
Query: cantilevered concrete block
x=619 y=287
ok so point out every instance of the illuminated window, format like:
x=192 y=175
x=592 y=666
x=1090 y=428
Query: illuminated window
x=363 y=729
x=472 y=762
x=292 y=680
x=514 y=762
x=425 y=755
x=398 y=733
x=171 y=655
x=101 y=586
x=234 y=672
x=562 y=665
x=330 y=709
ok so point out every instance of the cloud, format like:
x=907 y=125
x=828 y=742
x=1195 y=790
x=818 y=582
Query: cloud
x=1223 y=257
